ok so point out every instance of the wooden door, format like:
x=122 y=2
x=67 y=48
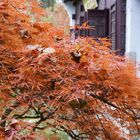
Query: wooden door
x=112 y=27
x=98 y=19
x=117 y=20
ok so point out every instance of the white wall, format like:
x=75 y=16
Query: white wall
x=71 y=10
x=133 y=30
x=107 y=4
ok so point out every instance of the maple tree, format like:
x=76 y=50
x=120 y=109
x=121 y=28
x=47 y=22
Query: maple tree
x=81 y=88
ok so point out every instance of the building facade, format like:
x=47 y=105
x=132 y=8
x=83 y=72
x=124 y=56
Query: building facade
x=118 y=20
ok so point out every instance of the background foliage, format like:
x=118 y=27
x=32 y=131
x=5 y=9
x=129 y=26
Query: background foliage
x=48 y=3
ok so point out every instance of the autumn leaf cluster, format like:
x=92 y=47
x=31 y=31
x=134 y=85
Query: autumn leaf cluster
x=80 y=87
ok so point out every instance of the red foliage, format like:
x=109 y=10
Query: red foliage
x=83 y=89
